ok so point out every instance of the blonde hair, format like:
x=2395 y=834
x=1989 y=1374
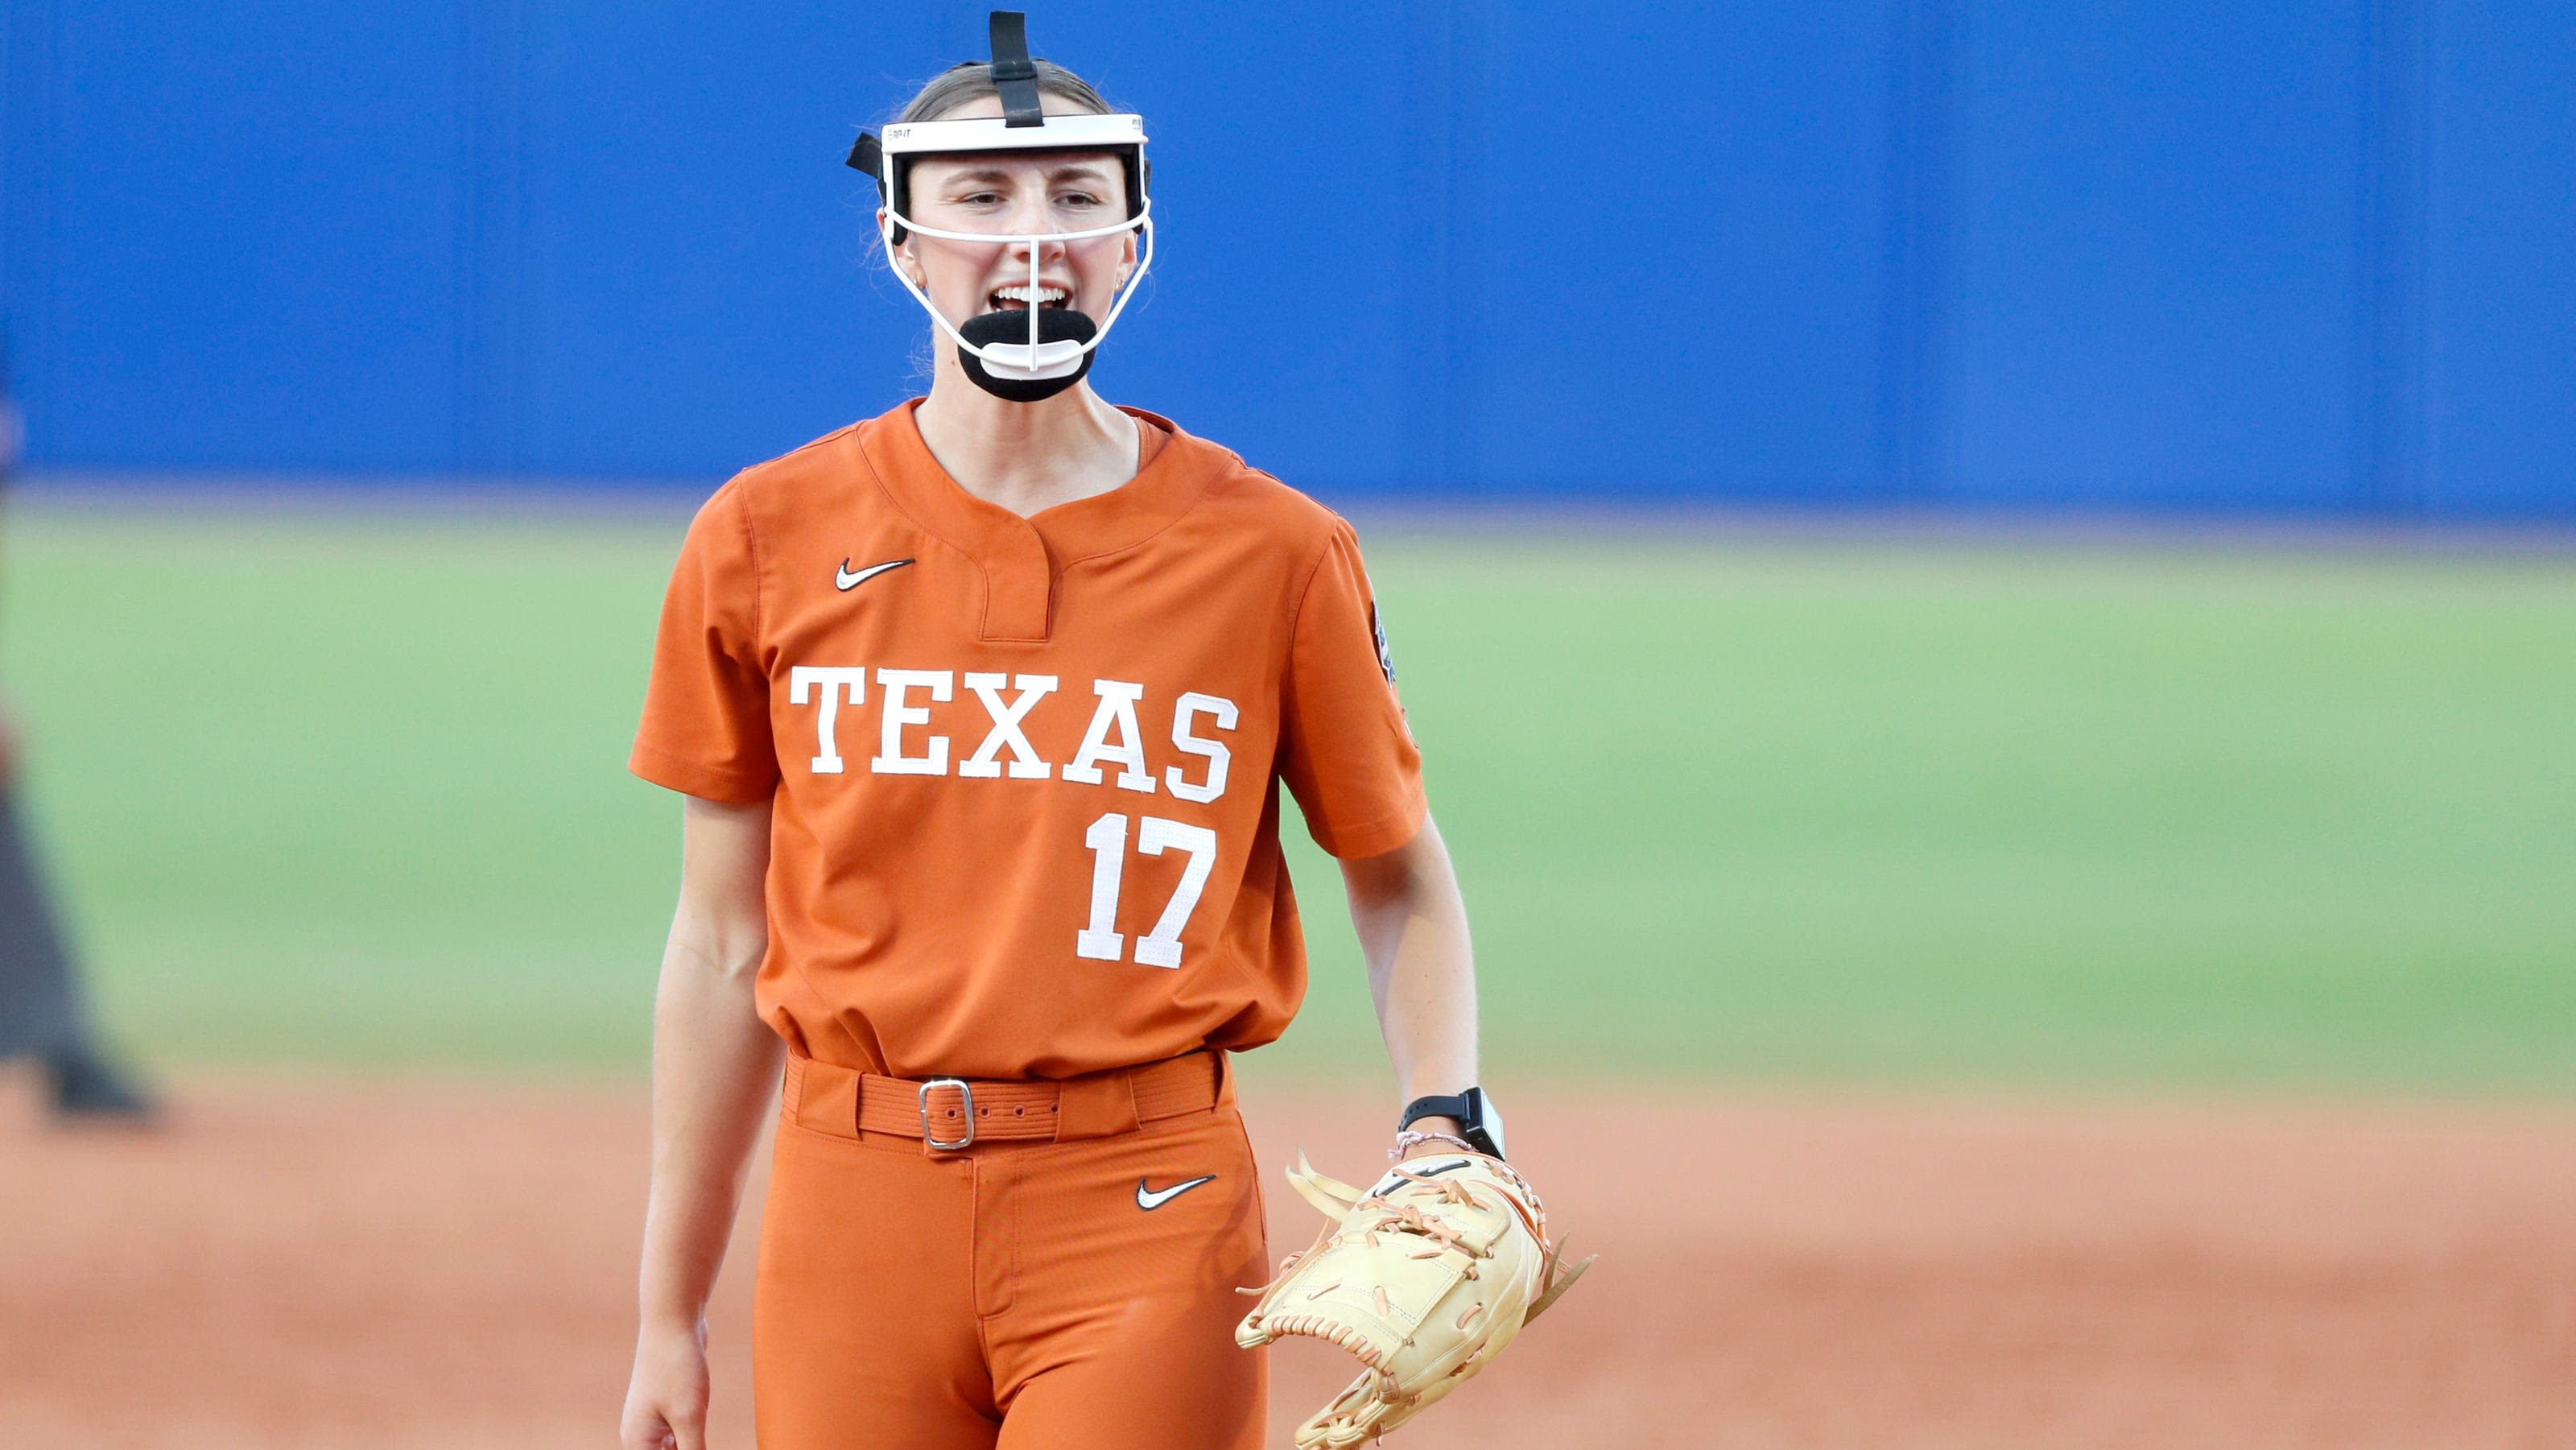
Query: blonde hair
x=972 y=80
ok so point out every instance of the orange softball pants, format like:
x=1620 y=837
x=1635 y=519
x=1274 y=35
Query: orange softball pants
x=1062 y=1292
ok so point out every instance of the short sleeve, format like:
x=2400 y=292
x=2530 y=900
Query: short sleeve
x=1344 y=748
x=706 y=709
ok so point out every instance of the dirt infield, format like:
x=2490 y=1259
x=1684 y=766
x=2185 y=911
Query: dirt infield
x=311 y=1264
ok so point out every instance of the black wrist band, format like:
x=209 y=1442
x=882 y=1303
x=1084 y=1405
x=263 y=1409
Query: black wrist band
x=1434 y=1107
x=1478 y=1121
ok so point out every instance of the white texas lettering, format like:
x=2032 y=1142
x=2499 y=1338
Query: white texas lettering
x=1222 y=711
x=896 y=714
x=1114 y=737
x=835 y=681
x=1117 y=712
x=1025 y=764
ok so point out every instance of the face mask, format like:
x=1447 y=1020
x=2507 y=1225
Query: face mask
x=1020 y=357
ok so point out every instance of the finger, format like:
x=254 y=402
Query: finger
x=689 y=1433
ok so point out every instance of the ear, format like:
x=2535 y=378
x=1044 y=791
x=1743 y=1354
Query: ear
x=900 y=255
x=905 y=259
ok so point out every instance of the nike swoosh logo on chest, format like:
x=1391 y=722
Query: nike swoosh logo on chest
x=846 y=579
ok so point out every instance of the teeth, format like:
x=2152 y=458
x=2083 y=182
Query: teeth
x=1021 y=294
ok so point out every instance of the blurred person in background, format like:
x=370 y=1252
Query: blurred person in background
x=41 y=1012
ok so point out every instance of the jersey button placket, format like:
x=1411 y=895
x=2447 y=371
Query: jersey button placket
x=1019 y=582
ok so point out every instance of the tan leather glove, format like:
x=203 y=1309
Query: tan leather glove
x=1423 y=1278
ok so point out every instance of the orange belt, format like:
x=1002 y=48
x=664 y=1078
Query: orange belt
x=948 y=1113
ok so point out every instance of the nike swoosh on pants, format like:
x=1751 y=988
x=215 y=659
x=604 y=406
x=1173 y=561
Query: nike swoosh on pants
x=1155 y=1198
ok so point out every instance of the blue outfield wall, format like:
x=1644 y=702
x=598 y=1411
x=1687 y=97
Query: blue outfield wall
x=2309 y=255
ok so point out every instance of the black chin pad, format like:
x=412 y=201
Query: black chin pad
x=1055 y=324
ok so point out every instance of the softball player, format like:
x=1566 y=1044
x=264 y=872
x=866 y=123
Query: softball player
x=42 y=1014
x=982 y=708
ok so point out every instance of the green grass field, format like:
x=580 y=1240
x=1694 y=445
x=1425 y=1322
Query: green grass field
x=325 y=789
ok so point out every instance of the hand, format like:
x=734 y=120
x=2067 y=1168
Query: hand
x=666 y=1400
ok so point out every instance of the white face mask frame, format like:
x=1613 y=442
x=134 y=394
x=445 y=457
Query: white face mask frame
x=1032 y=360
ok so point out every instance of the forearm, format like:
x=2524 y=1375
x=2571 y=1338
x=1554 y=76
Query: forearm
x=715 y=1065
x=1412 y=925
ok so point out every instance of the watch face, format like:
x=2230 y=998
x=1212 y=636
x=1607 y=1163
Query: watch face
x=1484 y=1117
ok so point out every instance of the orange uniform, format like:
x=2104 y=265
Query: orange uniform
x=1024 y=782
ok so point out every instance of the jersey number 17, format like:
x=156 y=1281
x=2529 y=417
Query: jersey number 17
x=1101 y=941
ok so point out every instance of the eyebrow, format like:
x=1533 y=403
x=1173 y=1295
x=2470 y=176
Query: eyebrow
x=1089 y=170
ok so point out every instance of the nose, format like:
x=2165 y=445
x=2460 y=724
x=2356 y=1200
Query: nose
x=1047 y=250
x=1031 y=216
x=1034 y=222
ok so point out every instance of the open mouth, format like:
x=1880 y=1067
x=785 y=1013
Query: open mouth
x=1016 y=298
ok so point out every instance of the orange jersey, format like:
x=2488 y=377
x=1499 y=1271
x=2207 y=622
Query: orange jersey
x=1025 y=772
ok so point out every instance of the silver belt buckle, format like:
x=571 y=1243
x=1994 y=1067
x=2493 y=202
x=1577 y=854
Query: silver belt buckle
x=965 y=1097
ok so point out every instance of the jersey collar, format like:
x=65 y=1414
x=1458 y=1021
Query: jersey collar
x=1023 y=558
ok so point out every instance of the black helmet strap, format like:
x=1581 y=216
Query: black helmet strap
x=1014 y=74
